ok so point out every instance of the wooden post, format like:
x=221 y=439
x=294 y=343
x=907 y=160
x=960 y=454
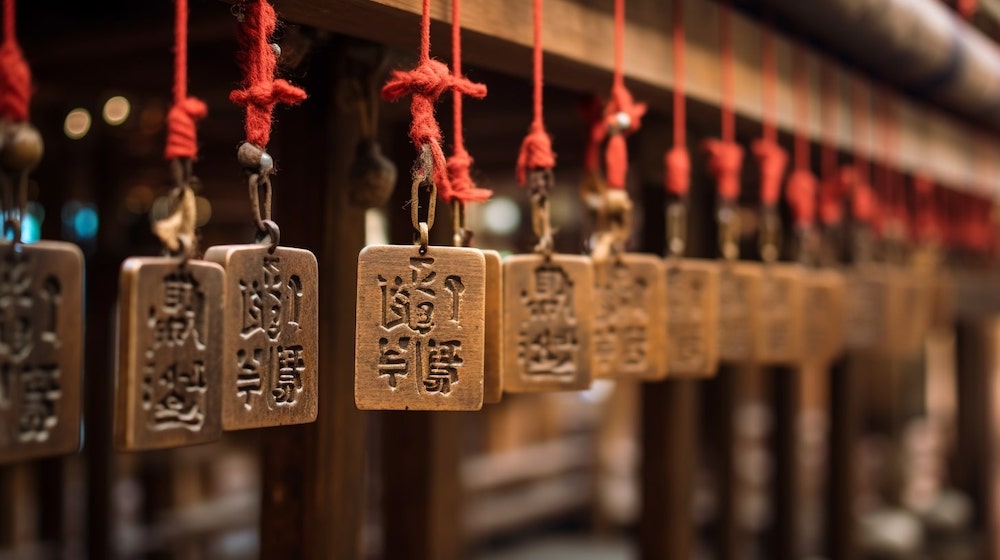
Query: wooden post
x=786 y=390
x=845 y=421
x=313 y=475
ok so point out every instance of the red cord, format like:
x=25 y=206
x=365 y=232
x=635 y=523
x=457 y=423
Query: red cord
x=260 y=90
x=15 y=75
x=460 y=185
x=424 y=84
x=678 y=160
x=622 y=115
x=833 y=185
x=725 y=155
x=536 y=149
x=771 y=157
x=800 y=192
x=182 y=132
x=863 y=202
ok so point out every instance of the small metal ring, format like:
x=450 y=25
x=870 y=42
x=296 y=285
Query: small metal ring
x=270 y=234
x=423 y=236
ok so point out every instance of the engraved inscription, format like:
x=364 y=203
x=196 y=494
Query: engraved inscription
x=687 y=316
x=735 y=336
x=269 y=363
x=408 y=344
x=776 y=317
x=548 y=341
x=173 y=375
x=29 y=344
x=622 y=319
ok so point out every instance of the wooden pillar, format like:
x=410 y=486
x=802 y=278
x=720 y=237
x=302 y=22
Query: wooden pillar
x=313 y=475
x=669 y=458
x=845 y=428
x=721 y=401
x=786 y=391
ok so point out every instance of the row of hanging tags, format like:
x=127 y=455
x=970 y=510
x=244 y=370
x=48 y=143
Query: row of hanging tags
x=449 y=328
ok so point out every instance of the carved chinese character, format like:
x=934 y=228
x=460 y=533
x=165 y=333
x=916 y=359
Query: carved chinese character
x=41 y=342
x=693 y=317
x=420 y=334
x=170 y=353
x=779 y=337
x=739 y=311
x=823 y=312
x=630 y=322
x=548 y=323
x=270 y=373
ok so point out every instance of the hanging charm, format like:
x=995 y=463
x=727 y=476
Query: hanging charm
x=421 y=321
x=692 y=284
x=630 y=316
x=548 y=309
x=170 y=320
x=270 y=373
x=41 y=293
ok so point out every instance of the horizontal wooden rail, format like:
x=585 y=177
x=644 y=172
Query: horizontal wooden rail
x=578 y=43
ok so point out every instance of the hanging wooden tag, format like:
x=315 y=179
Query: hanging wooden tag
x=866 y=308
x=630 y=319
x=270 y=372
x=420 y=333
x=693 y=317
x=823 y=316
x=779 y=337
x=739 y=311
x=547 y=320
x=493 y=347
x=41 y=349
x=170 y=353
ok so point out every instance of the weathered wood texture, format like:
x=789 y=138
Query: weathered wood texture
x=578 y=43
x=313 y=495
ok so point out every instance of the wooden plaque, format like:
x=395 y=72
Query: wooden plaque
x=547 y=318
x=693 y=317
x=866 y=305
x=420 y=333
x=170 y=353
x=493 y=348
x=823 y=316
x=779 y=337
x=630 y=318
x=41 y=349
x=739 y=311
x=270 y=366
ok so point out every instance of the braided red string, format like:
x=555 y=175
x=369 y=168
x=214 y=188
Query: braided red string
x=677 y=161
x=622 y=115
x=260 y=90
x=800 y=191
x=424 y=84
x=182 y=132
x=15 y=75
x=771 y=157
x=726 y=156
x=460 y=185
x=536 y=149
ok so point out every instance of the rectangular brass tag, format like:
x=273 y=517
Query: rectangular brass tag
x=780 y=332
x=823 y=316
x=270 y=364
x=547 y=321
x=493 y=349
x=421 y=331
x=866 y=308
x=169 y=353
x=41 y=349
x=739 y=311
x=630 y=319
x=693 y=317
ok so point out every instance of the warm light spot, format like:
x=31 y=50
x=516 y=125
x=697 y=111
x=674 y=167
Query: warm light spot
x=203 y=211
x=116 y=110
x=77 y=123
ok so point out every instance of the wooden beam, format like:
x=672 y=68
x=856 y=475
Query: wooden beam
x=579 y=56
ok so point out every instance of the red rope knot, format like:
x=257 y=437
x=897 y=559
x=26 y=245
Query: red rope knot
x=831 y=195
x=925 y=224
x=424 y=84
x=864 y=207
x=725 y=160
x=260 y=90
x=678 y=165
x=462 y=187
x=622 y=117
x=536 y=153
x=772 y=160
x=801 y=196
x=15 y=82
x=182 y=133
